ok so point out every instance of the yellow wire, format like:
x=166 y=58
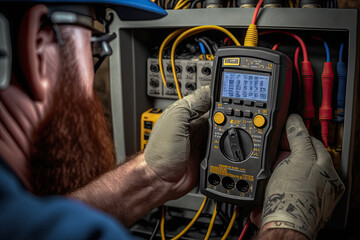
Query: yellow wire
x=291 y=4
x=162 y=223
x=187 y=6
x=230 y=224
x=162 y=46
x=182 y=4
x=189 y=33
x=208 y=233
x=178 y=3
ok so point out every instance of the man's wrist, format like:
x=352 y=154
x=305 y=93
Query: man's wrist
x=279 y=230
x=123 y=191
x=294 y=211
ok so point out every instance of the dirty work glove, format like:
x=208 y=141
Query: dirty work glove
x=304 y=188
x=174 y=134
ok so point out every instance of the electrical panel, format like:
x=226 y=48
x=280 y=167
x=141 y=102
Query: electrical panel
x=136 y=82
x=191 y=73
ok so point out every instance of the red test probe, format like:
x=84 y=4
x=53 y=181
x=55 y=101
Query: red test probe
x=327 y=79
x=308 y=112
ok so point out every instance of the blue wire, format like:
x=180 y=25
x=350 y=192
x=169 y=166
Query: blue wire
x=327 y=51
x=202 y=48
x=341 y=52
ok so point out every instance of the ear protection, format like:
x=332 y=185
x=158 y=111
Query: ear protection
x=5 y=53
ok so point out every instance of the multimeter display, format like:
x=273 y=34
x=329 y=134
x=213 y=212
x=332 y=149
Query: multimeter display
x=246 y=86
x=251 y=90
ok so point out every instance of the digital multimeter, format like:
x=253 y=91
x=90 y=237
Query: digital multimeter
x=251 y=88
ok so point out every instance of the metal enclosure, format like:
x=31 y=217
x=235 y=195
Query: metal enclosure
x=128 y=66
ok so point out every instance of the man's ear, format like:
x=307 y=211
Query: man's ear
x=32 y=43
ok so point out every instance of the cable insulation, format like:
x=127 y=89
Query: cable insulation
x=208 y=233
x=243 y=232
x=257 y=8
x=192 y=221
x=341 y=52
x=230 y=224
x=162 y=223
x=170 y=37
x=296 y=37
x=191 y=32
x=296 y=64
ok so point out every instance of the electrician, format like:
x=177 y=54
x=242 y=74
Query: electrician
x=54 y=139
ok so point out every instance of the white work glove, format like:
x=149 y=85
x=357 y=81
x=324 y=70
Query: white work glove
x=304 y=188
x=176 y=135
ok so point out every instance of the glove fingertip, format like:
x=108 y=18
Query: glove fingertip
x=199 y=101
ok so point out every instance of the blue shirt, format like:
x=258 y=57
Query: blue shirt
x=25 y=216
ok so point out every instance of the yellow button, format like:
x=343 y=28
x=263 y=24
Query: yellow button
x=259 y=121
x=219 y=118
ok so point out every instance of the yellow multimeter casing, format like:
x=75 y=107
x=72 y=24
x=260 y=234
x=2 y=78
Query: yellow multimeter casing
x=148 y=119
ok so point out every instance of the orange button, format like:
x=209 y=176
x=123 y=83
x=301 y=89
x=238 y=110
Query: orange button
x=219 y=118
x=259 y=121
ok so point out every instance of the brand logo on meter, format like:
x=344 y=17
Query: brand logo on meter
x=231 y=61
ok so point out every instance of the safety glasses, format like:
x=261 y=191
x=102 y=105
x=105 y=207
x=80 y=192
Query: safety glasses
x=100 y=41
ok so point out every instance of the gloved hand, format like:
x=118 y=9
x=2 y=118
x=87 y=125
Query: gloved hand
x=304 y=188
x=177 y=136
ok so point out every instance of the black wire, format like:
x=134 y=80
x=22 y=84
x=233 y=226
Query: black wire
x=223 y=218
x=174 y=3
x=206 y=44
x=193 y=4
x=157 y=224
x=156 y=229
x=212 y=43
x=169 y=4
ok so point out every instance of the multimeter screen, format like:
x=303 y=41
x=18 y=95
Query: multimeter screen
x=245 y=86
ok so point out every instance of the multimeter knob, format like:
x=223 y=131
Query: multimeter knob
x=236 y=144
x=219 y=118
x=259 y=121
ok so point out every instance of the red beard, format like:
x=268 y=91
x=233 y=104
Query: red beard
x=72 y=145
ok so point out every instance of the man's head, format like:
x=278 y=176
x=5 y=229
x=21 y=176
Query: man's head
x=53 y=132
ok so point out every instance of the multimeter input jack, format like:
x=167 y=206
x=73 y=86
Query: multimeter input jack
x=242 y=186
x=214 y=179
x=228 y=183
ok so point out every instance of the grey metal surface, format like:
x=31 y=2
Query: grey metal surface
x=279 y=18
x=116 y=90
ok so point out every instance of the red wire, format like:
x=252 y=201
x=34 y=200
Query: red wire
x=296 y=63
x=227 y=41
x=243 y=232
x=256 y=11
x=301 y=42
x=276 y=46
